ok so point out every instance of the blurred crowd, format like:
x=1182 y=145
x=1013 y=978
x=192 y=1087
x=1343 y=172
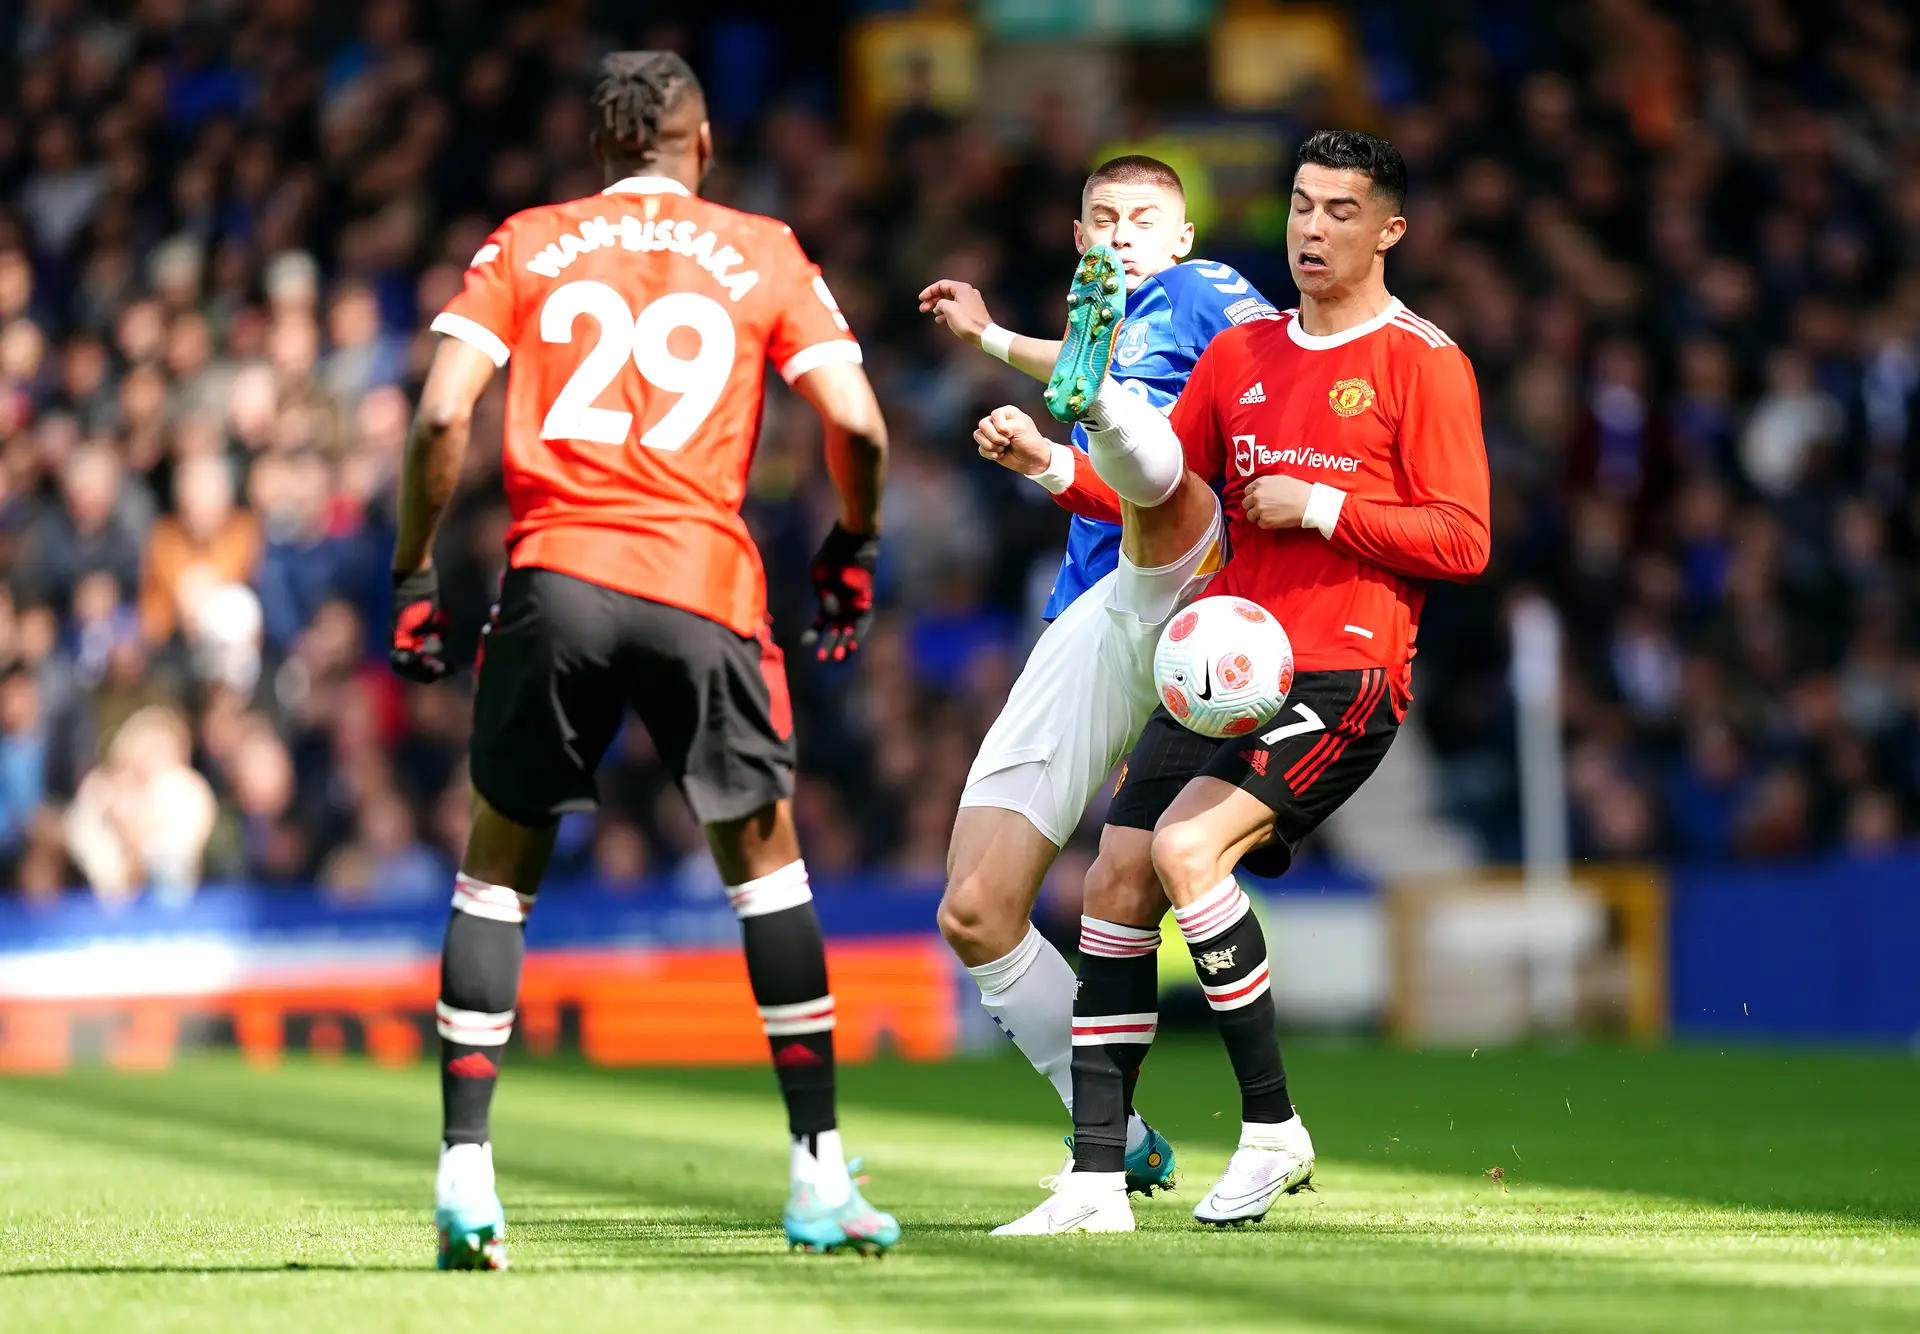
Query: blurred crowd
x=1681 y=244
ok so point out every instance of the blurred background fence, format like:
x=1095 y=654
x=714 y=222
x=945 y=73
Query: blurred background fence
x=1680 y=241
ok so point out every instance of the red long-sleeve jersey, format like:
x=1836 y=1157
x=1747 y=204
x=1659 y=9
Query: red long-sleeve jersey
x=1386 y=418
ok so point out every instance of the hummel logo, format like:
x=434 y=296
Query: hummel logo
x=1257 y=394
x=1218 y=961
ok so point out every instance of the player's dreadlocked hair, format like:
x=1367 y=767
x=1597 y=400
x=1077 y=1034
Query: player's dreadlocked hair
x=637 y=88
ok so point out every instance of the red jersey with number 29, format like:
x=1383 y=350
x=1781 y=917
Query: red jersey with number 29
x=639 y=323
x=1385 y=420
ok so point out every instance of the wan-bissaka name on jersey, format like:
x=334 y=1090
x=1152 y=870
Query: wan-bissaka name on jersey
x=639 y=323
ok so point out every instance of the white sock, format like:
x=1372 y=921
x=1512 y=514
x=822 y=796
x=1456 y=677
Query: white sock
x=1288 y=1134
x=466 y=1170
x=1133 y=447
x=1136 y=1131
x=1029 y=993
x=1093 y=1183
x=825 y=1169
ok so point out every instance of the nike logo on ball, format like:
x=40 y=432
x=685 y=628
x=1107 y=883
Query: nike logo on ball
x=1205 y=692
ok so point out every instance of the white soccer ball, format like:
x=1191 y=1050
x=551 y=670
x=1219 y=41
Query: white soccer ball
x=1223 y=666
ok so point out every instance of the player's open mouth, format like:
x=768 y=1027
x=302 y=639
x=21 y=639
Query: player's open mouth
x=1309 y=260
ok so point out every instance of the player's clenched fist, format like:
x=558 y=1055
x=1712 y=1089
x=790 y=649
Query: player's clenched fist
x=1009 y=437
x=418 y=648
x=959 y=306
x=1276 y=502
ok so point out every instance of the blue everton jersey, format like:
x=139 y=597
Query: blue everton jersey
x=1171 y=317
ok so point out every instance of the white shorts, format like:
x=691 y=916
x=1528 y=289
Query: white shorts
x=1085 y=693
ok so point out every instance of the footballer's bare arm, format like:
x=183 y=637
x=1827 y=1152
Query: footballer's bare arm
x=856 y=438
x=960 y=307
x=437 y=448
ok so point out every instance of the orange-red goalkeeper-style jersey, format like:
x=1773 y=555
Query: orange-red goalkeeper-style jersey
x=639 y=323
x=1385 y=417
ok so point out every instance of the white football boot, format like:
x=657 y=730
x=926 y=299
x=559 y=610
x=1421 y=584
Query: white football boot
x=1272 y=1160
x=1080 y=1202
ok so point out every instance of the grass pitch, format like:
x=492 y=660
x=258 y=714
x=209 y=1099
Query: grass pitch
x=1679 y=1190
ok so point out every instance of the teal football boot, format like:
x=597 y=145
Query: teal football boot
x=1096 y=308
x=1149 y=1166
x=855 y=1224
x=473 y=1234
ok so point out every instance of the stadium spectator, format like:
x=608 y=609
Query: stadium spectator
x=305 y=561
x=386 y=862
x=205 y=543
x=23 y=759
x=95 y=526
x=143 y=817
x=1680 y=243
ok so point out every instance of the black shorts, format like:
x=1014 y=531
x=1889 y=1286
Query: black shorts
x=1322 y=746
x=561 y=659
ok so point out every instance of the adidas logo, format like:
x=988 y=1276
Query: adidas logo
x=1257 y=394
x=1256 y=760
x=795 y=1055
x=474 y=1065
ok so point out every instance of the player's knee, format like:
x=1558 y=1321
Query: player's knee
x=1186 y=860
x=1124 y=889
x=973 y=922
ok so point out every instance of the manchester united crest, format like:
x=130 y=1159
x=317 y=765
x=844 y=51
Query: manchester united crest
x=1350 y=398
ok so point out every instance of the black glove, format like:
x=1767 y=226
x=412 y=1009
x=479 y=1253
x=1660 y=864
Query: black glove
x=843 y=581
x=418 y=650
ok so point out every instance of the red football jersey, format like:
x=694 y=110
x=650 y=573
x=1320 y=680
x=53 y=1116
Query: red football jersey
x=1386 y=418
x=639 y=322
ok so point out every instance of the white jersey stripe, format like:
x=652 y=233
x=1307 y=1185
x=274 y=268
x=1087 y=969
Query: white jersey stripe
x=1418 y=332
x=1426 y=324
x=473 y=333
x=1431 y=327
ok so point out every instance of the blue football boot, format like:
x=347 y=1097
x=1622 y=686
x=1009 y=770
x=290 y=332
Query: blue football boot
x=817 y=1227
x=467 y=1215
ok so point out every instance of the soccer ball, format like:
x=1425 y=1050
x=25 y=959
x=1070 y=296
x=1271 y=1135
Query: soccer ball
x=1223 y=666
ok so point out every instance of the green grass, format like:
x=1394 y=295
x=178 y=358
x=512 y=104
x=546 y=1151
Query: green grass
x=1678 y=1190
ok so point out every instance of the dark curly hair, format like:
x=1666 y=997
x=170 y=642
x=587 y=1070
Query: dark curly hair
x=635 y=90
